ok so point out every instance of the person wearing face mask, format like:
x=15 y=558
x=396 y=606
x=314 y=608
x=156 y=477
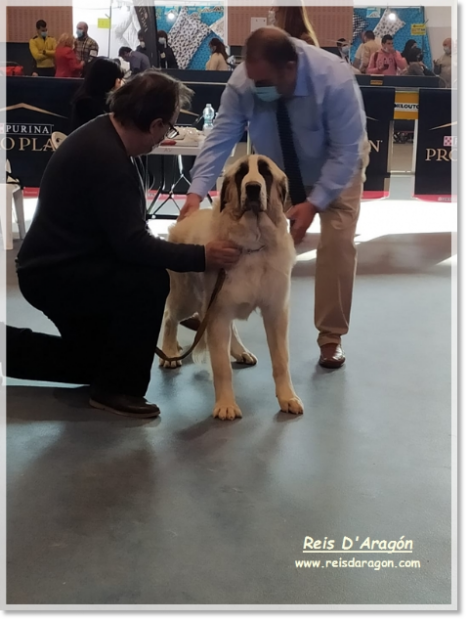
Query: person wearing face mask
x=387 y=61
x=86 y=49
x=303 y=109
x=42 y=48
x=369 y=46
x=443 y=65
x=142 y=44
x=344 y=49
x=92 y=265
x=166 y=55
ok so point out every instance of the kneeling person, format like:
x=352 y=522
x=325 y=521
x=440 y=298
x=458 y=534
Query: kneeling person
x=91 y=264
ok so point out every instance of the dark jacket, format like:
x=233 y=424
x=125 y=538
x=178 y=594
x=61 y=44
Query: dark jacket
x=166 y=57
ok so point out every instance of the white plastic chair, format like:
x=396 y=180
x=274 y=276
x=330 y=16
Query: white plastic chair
x=57 y=139
x=13 y=193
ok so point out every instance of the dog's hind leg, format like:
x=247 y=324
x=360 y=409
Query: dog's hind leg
x=219 y=343
x=238 y=350
x=276 y=327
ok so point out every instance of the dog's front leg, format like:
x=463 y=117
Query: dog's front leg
x=276 y=327
x=219 y=343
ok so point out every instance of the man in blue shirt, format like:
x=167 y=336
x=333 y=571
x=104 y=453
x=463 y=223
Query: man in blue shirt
x=139 y=62
x=304 y=110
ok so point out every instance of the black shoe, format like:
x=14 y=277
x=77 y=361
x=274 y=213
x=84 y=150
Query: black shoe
x=123 y=405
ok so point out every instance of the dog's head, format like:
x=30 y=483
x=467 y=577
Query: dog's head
x=255 y=185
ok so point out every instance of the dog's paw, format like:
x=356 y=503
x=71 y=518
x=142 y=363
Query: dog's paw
x=246 y=357
x=227 y=411
x=291 y=405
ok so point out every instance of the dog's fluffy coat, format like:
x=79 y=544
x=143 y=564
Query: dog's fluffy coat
x=250 y=213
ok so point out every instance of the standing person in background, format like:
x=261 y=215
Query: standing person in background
x=166 y=55
x=42 y=48
x=369 y=46
x=142 y=44
x=86 y=49
x=66 y=64
x=443 y=65
x=218 y=58
x=91 y=100
x=344 y=49
x=387 y=61
x=408 y=46
x=138 y=62
x=295 y=21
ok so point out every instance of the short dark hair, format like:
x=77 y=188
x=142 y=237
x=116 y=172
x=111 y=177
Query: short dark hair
x=415 y=55
x=162 y=33
x=271 y=44
x=124 y=50
x=148 y=96
x=41 y=24
x=369 y=35
x=386 y=38
x=341 y=42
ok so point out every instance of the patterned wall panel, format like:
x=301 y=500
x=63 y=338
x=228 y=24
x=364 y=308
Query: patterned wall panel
x=330 y=22
x=21 y=21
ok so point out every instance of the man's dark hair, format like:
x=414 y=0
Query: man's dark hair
x=148 y=96
x=386 y=38
x=124 y=50
x=271 y=44
x=341 y=42
x=41 y=24
x=369 y=35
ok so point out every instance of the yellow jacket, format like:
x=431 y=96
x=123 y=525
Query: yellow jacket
x=43 y=51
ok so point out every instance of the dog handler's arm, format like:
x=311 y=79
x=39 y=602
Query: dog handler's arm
x=345 y=121
x=229 y=126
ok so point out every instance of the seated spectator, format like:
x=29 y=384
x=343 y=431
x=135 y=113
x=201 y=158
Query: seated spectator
x=42 y=48
x=218 y=58
x=91 y=100
x=387 y=61
x=166 y=54
x=138 y=62
x=66 y=64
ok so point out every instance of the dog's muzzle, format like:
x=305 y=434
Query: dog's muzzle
x=253 y=198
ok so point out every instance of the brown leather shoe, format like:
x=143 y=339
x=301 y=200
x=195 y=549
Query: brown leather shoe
x=192 y=323
x=332 y=356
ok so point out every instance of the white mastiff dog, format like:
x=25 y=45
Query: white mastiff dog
x=250 y=213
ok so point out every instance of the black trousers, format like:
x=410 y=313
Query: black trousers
x=48 y=72
x=109 y=321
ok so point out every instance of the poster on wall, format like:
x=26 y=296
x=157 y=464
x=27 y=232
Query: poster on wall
x=418 y=30
x=436 y=148
x=373 y=13
x=379 y=105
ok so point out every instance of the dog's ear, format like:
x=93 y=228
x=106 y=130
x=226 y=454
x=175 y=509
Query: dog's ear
x=224 y=194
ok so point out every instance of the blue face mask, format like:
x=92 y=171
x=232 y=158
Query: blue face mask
x=345 y=50
x=267 y=93
x=79 y=33
x=44 y=34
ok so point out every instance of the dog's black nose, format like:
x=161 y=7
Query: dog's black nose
x=253 y=190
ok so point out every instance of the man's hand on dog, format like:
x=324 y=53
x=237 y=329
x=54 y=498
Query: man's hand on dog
x=301 y=217
x=221 y=255
x=192 y=203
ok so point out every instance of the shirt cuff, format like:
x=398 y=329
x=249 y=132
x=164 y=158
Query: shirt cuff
x=198 y=186
x=319 y=198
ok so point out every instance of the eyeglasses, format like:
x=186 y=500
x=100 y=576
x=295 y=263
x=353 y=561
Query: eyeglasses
x=172 y=132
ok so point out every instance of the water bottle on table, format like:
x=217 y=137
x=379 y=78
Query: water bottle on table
x=208 y=118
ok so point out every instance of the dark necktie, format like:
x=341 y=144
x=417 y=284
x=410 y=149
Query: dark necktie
x=291 y=161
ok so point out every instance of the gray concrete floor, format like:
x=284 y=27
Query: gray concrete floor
x=188 y=510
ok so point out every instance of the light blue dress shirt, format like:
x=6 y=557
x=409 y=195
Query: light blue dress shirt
x=327 y=118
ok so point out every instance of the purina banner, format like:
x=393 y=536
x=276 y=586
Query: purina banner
x=379 y=104
x=436 y=148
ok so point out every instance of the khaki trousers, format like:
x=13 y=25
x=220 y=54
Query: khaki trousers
x=337 y=259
